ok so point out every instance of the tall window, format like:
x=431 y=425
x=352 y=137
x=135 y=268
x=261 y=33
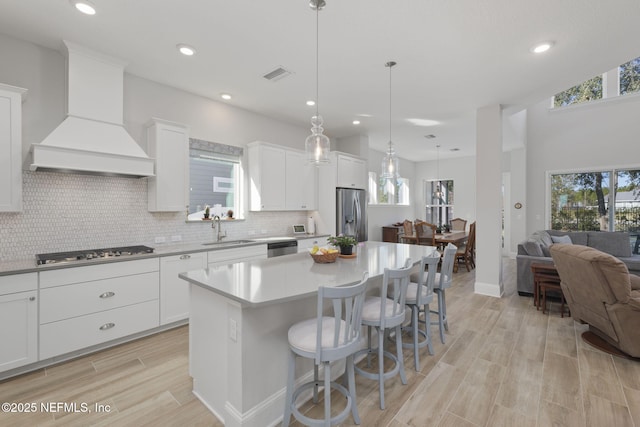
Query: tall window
x=601 y=200
x=214 y=179
x=439 y=197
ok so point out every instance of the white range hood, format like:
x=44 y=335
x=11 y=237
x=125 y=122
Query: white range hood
x=92 y=138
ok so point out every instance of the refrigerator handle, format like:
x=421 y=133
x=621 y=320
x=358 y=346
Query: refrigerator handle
x=356 y=202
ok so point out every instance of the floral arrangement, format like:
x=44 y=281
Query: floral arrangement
x=342 y=240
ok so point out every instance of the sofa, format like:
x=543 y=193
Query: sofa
x=536 y=249
x=601 y=292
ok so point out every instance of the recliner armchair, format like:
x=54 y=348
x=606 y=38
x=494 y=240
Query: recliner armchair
x=600 y=292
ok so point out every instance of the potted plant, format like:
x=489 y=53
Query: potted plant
x=345 y=243
x=206 y=212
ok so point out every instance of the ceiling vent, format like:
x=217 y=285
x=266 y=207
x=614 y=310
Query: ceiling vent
x=277 y=74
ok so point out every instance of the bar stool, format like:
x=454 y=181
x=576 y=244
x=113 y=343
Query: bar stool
x=386 y=313
x=419 y=296
x=326 y=339
x=443 y=282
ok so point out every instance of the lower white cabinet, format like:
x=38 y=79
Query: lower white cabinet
x=174 y=292
x=229 y=256
x=18 y=320
x=305 y=244
x=85 y=306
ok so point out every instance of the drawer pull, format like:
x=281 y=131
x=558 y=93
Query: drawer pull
x=185 y=257
x=32 y=298
x=107 y=295
x=107 y=326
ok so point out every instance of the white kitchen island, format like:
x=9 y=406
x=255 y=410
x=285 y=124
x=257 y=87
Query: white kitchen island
x=239 y=317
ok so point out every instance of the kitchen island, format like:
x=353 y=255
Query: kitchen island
x=239 y=317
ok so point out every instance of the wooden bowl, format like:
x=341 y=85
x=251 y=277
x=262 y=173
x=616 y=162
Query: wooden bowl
x=324 y=258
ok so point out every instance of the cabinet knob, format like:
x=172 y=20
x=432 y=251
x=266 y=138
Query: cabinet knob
x=107 y=295
x=185 y=257
x=107 y=326
x=32 y=298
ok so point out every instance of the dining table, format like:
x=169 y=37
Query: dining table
x=456 y=237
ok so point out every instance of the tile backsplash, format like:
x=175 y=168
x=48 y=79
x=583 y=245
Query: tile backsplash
x=73 y=212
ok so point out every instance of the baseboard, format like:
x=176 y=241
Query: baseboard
x=488 y=289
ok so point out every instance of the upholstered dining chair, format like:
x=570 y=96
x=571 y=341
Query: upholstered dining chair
x=409 y=235
x=425 y=233
x=458 y=224
x=325 y=339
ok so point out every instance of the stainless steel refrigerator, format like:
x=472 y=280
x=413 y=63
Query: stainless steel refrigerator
x=351 y=213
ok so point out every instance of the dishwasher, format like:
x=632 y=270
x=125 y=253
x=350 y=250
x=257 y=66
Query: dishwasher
x=283 y=247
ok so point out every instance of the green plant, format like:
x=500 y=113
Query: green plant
x=342 y=240
x=206 y=211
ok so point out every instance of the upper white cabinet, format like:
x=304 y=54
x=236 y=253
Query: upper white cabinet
x=18 y=320
x=301 y=182
x=352 y=172
x=168 y=143
x=11 y=148
x=280 y=179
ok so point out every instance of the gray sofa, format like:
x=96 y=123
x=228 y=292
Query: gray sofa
x=536 y=250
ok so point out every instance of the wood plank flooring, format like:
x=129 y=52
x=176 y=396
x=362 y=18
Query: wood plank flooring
x=503 y=364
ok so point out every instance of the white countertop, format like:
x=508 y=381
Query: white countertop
x=290 y=277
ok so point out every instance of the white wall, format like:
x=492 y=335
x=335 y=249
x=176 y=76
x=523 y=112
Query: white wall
x=599 y=134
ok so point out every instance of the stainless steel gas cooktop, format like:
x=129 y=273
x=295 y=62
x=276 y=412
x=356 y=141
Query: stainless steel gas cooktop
x=60 y=257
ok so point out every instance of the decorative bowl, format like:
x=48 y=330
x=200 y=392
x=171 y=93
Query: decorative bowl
x=321 y=258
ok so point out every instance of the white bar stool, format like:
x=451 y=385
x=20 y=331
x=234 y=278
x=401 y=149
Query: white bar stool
x=326 y=339
x=443 y=282
x=386 y=313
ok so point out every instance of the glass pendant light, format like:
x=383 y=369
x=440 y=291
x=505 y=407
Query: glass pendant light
x=390 y=162
x=317 y=144
x=438 y=193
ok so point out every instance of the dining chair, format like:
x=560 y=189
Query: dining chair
x=458 y=224
x=425 y=233
x=386 y=312
x=326 y=339
x=443 y=281
x=466 y=252
x=409 y=234
x=419 y=296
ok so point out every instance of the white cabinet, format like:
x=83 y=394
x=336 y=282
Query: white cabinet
x=281 y=179
x=267 y=177
x=301 y=182
x=352 y=172
x=229 y=256
x=11 y=148
x=168 y=144
x=174 y=292
x=85 y=306
x=18 y=320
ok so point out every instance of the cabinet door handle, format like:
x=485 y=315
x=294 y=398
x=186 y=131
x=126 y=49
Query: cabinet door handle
x=107 y=326
x=185 y=257
x=107 y=295
x=32 y=298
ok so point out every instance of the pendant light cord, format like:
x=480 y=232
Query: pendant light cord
x=390 y=66
x=317 y=55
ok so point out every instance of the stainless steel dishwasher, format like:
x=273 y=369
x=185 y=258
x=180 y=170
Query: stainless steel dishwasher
x=282 y=247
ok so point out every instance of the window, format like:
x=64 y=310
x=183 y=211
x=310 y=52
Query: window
x=630 y=77
x=214 y=179
x=439 y=197
x=388 y=191
x=596 y=200
x=585 y=91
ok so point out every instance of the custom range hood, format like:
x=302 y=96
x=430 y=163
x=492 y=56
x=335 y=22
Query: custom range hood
x=92 y=138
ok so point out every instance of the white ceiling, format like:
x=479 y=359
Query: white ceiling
x=453 y=56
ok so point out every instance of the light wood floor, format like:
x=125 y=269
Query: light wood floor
x=503 y=364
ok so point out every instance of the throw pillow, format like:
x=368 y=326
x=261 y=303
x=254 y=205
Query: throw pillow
x=562 y=239
x=533 y=248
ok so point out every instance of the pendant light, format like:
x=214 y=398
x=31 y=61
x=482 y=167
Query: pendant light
x=317 y=144
x=390 y=162
x=438 y=193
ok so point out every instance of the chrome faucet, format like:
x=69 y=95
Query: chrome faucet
x=216 y=224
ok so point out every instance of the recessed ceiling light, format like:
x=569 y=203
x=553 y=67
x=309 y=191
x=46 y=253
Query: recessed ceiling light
x=225 y=96
x=454 y=149
x=84 y=6
x=541 y=47
x=356 y=122
x=186 y=49
x=423 y=122
x=311 y=103
x=430 y=136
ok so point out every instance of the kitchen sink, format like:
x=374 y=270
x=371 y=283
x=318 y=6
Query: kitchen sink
x=229 y=243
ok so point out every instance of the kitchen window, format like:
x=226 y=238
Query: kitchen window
x=385 y=191
x=214 y=179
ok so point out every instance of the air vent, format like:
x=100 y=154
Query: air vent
x=277 y=74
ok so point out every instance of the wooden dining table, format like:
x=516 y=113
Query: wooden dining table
x=455 y=237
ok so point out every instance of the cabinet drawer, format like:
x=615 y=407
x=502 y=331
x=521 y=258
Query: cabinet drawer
x=237 y=254
x=73 y=334
x=18 y=283
x=64 y=302
x=67 y=276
